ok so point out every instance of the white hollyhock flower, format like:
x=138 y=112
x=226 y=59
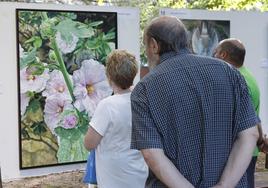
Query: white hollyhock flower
x=56 y=86
x=90 y=85
x=34 y=83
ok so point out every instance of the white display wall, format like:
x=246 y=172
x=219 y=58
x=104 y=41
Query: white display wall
x=252 y=29
x=128 y=38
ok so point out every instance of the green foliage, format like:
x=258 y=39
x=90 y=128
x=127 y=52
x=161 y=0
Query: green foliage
x=71 y=150
x=35 y=68
x=36 y=41
x=71 y=146
x=34 y=105
x=83 y=122
x=95 y=24
x=68 y=28
x=46 y=28
x=27 y=58
x=39 y=128
x=69 y=134
x=101 y=45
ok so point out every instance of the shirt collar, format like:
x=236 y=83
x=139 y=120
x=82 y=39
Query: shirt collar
x=168 y=55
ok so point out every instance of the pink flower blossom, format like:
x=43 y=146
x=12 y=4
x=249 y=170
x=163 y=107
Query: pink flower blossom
x=90 y=85
x=24 y=102
x=69 y=121
x=34 y=83
x=56 y=86
x=54 y=107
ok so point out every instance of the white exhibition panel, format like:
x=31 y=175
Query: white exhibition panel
x=252 y=29
x=128 y=39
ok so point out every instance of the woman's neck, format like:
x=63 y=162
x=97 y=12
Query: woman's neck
x=119 y=91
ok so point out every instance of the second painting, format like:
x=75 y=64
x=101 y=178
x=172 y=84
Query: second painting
x=204 y=35
x=61 y=79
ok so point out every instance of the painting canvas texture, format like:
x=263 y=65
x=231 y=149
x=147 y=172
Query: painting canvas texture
x=61 y=79
x=204 y=35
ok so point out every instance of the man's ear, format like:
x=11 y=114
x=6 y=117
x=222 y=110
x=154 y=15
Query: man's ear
x=223 y=55
x=155 y=46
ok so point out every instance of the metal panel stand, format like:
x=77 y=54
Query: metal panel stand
x=1 y=186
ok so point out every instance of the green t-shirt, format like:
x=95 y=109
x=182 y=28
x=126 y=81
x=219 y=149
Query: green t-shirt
x=254 y=93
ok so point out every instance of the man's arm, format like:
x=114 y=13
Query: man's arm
x=164 y=169
x=239 y=158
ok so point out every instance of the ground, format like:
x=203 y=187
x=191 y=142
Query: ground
x=71 y=179
x=74 y=179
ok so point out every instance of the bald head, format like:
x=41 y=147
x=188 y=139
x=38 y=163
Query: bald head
x=233 y=51
x=169 y=32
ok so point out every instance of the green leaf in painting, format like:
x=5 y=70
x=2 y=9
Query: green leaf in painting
x=36 y=41
x=71 y=134
x=34 y=105
x=28 y=58
x=84 y=121
x=92 y=44
x=72 y=150
x=68 y=28
x=39 y=128
x=83 y=31
x=64 y=150
x=46 y=28
x=36 y=68
x=112 y=45
x=94 y=24
x=106 y=48
x=109 y=36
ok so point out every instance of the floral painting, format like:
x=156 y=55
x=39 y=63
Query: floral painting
x=204 y=35
x=61 y=79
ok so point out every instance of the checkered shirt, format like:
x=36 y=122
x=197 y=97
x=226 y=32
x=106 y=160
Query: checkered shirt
x=193 y=108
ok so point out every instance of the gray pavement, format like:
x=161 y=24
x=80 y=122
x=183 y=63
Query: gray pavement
x=261 y=179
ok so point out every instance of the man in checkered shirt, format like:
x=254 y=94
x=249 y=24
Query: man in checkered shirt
x=192 y=116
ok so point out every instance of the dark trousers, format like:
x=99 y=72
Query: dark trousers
x=250 y=172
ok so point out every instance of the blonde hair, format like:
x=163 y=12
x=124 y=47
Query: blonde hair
x=121 y=68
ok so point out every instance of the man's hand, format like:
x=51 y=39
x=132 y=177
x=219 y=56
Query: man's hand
x=263 y=146
x=239 y=158
x=164 y=169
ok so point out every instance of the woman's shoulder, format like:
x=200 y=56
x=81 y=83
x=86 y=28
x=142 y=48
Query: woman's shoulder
x=111 y=100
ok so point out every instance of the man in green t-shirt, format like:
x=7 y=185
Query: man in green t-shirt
x=233 y=52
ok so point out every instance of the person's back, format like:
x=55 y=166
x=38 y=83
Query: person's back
x=253 y=87
x=115 y=161
x=197 y=95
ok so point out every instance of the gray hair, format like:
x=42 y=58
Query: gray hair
x=169 y=32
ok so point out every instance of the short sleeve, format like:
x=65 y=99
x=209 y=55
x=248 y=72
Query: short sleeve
x=144 y=132
x=101 y=118
x=246 y=115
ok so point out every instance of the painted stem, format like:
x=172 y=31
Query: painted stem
x=62 y=67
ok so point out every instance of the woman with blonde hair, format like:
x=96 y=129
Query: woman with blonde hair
x=117 y=166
